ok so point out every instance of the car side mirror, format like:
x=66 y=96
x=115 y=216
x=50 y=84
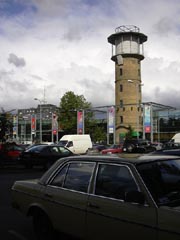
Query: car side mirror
x=135 y=197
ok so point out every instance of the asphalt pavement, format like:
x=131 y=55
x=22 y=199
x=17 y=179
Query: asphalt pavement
x=13 y=225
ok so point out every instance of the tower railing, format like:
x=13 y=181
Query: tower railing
x=127 y=28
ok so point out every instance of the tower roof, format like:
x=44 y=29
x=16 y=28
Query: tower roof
x=126 y=31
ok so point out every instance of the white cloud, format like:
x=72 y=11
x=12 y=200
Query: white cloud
x=61 y=45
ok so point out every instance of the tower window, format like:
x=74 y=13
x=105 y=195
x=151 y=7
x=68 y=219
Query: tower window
x=121 y=103
x=121 y=88
x=121 y=71
x=121 y=119
x=131 y=108
x=139 y=73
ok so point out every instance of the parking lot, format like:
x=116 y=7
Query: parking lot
x=14 y=225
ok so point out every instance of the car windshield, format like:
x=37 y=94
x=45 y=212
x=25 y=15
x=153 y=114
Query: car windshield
x=37 y=148
x=63 y=149
x=113 y=146
x=163 y=181
x=63 y=142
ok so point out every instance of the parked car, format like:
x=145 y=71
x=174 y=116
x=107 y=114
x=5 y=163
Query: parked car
x=76 y=143
x=113 y=149
x=96 y=148
x=175 y=152
x=138 y=146
x=157 y=145
x=10 y=152
x=171 y=145
x=43 y=154
x=102 y=197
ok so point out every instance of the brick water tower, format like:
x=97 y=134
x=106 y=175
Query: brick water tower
x=127 y=53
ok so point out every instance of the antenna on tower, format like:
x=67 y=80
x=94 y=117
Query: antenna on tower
x=44 y=95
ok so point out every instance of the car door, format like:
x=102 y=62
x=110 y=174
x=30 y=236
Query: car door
x=41 y=157
x=109 y=216
x=168 y=199
x=66 y=197
x=168 y=221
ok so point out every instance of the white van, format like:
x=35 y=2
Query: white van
x=77 y=143
x=176 y=138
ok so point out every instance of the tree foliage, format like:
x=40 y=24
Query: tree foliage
x=99 y=134
x=5 y=125
x=69 y=105
x=129 y=134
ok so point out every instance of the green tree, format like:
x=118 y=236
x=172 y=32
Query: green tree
x=99 y=134
x=68 y=107
x=5 y=125
x=129 y=134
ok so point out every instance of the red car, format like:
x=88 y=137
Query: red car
x=9 y=153
x=113 y=149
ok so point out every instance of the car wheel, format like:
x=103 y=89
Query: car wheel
x=42 y=226
x=141 y=150
x=130 y=148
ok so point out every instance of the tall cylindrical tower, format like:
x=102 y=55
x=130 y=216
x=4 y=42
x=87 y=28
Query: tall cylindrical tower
x=127 y=53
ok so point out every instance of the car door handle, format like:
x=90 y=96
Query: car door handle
x=48 y=195
x=93 y=205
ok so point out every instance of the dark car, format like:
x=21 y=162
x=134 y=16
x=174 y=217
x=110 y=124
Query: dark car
x=138 y=146
x=96 y=148
x=43 y=154
x=10 y=152
x=104 y=197
x=171 y=145
x=175 y=152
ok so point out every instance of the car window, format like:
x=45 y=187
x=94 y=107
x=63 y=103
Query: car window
x=163 y=181
x=17 y=148
x=75 y=176
x=63 y=149
x=54 y=150
x=70 y=144
x=37 y=148
x=114 y=181
x=46 y=149
x=63 y=142
x=60 y=177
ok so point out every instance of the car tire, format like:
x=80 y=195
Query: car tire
x=141 y=150
x=42 y=226
x=130 y=148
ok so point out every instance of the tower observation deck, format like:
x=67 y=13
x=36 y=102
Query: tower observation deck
x=127 y=41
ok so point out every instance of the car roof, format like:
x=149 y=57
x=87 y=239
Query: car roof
x=107 y=159
x=46 y=145
x=128 y=160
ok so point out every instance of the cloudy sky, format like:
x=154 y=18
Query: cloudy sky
x=49 y=47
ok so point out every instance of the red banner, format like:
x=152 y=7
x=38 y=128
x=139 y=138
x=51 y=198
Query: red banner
x=54 y=124
x=33 y=123
x=80 y=122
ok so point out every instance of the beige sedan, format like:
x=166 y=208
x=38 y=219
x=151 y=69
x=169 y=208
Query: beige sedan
x=104 y=197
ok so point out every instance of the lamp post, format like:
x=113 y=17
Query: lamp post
x=25 y=118
x=40 y=119
x=137 y=85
